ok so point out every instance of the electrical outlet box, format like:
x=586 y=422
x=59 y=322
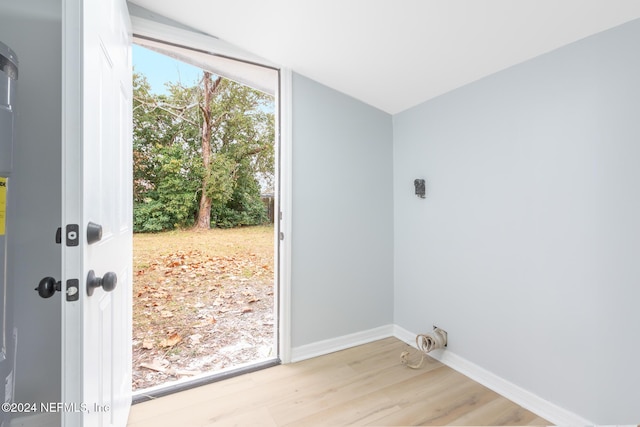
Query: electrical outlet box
x=442 y=333
x=420 y=187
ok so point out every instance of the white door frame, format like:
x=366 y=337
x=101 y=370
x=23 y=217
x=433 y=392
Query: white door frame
x=285 y=207
x=173 y=35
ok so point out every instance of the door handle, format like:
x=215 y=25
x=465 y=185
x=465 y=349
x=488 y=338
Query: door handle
x=48 y=286
x=108 y=282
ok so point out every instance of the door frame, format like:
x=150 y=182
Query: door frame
x=285 y=208
x=162 y=32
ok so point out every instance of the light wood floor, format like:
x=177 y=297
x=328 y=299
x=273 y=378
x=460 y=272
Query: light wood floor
x=365 y=385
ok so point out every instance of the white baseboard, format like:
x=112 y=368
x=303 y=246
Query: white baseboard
x=518 y=395
x=320 y=348
x=404 y=335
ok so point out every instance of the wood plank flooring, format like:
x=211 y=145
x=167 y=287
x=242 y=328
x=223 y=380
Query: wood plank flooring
x=364 y=385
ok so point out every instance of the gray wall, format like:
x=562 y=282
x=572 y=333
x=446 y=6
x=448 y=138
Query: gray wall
x=526 y=249
x=523 y=250
x=32 y=28
x=342 y=247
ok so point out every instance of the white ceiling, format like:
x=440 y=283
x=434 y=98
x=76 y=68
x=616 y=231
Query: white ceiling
x=394 y=54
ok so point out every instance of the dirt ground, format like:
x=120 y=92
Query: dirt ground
x=202 y=301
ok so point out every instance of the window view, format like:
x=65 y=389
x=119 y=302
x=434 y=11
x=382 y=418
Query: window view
x=204 y=263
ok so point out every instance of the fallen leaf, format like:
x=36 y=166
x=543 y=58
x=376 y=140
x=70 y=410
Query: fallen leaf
x=160 y=361
x=206 y=322
x=195 y=338
x=153 y=366
x=171 y=340
x=247 y=310
x=147 y=344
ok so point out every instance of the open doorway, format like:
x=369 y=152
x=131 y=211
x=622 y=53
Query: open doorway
x=205 y=297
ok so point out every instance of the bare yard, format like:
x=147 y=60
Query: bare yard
x=202 y=301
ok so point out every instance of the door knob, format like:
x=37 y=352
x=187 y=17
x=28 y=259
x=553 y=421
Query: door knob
x=108 y=282
x=48 y=286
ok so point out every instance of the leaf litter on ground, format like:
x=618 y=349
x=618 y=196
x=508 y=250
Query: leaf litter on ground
x=203 y=301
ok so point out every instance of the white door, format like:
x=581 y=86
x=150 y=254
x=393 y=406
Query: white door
x=96 y=183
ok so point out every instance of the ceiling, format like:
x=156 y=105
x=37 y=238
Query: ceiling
x=394 y=54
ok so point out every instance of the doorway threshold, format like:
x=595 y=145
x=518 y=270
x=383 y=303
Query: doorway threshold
x=207 y=378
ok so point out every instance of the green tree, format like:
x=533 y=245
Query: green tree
x=200 y=153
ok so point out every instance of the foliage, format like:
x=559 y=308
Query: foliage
x=169 y=172
x=242 y=208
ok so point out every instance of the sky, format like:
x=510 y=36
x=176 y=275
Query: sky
x=160 y=69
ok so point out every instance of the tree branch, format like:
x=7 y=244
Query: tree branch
x=163 y=107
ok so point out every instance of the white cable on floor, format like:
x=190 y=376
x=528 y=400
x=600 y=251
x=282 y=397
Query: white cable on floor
x=425 y=343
